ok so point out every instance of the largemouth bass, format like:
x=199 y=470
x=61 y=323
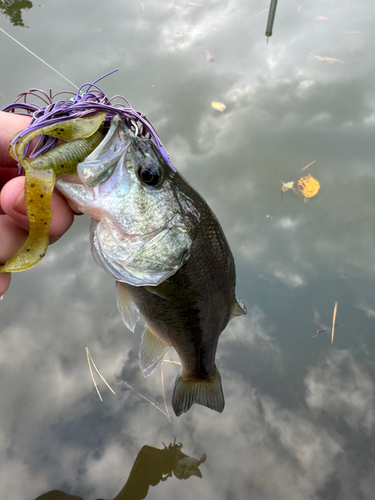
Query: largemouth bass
x=158 y=238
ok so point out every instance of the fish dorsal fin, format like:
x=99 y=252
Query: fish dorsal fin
x=238 y=309
x=152 y=351
x=126 y=305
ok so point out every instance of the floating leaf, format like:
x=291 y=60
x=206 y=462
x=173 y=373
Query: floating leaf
x=219 y=106
x=330 y=60
x=308 y=186
x=209 y=57
x=286 y=186
x=307 y=166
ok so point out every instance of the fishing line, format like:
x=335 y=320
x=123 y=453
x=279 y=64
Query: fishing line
x=40 y=59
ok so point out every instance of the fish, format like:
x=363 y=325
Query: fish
x=157 y=237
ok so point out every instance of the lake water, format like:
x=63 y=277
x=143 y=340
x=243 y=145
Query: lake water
x=300 y=414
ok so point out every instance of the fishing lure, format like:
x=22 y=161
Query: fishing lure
x=82 y=121
x=40 y=176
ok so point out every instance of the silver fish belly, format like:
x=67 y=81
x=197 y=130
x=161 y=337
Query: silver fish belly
x=158 y=238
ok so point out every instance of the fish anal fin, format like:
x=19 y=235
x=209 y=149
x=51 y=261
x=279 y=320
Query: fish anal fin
x=152 y=351
x=127 y=307
x=238 y=309
x=206 y=392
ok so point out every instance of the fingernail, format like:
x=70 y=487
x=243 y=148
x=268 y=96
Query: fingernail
x=20 y=206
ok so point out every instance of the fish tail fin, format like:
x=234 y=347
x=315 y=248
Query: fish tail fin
x=206 y=392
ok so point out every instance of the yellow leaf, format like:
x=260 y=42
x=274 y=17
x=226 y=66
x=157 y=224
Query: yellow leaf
x=286 y=186
x=308 y=186
x=209 y=57
x=219 y=106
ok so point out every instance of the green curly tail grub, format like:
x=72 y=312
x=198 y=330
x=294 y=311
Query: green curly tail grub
x=40 y=176
x=38 y=192
x=68 y=130
x=64 y=158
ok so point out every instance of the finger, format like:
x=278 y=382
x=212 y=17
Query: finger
x=12 y=237
x=4 y=283
x=6 y=174
x=10 y=124
x=13 y=204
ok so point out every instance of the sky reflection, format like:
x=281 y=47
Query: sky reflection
x=299 y=415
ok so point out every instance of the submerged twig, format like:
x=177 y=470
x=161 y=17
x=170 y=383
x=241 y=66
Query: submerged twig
x=312 y=221
x=143 y=397
x=322 y=330
x=307 y=166
x=333 y=322
x=89 y=361
x=162 y=386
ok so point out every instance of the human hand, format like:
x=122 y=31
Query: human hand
x=13 y=219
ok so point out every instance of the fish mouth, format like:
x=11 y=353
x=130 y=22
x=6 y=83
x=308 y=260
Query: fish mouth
x=64 y=185
x=100 y=164
x=83 y=188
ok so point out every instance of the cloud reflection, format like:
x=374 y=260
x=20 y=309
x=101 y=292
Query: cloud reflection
x=341 y=388
x=299 y=415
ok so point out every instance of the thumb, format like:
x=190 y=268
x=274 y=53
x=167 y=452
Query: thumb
x=13 y=204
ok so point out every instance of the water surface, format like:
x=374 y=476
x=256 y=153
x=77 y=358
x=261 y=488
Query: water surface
x=300 y=414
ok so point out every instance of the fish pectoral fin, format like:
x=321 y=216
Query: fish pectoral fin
x=152 y=351
x=206 y=392
x=238 y=309
x=126 y=305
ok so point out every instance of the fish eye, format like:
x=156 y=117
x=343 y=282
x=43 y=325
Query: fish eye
x=150 y=173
